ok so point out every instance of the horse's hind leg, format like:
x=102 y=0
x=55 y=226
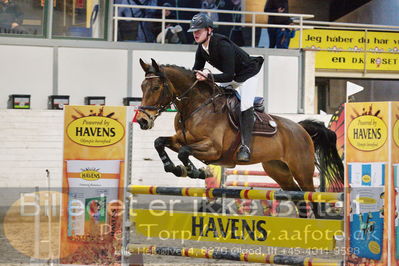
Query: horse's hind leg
x=303 y=170
x=280 y=172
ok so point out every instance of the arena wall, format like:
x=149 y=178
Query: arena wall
x=85 y=68
x=31 y=141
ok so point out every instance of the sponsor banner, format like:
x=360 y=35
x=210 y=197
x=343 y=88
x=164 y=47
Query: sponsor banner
x=396 y=216
x=357 y=61
x=254 y=230
x=395 y=132
x=367 y=208
x=368 y=164
x=356 y=42
x=367 y=132
x=366 y=235
x=395 y=170
x=93 y=184
x=366 y=174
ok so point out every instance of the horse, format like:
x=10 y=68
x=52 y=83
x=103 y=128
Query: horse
x=204 y=131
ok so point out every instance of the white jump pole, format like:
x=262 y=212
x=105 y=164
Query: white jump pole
x=37 y=225
x=49 y=213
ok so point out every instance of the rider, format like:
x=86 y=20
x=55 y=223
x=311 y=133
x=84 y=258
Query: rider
x=239 y=70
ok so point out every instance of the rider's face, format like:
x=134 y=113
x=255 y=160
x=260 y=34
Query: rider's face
x=200 y=35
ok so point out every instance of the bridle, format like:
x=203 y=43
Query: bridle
x=163 y=108
x=179 y=98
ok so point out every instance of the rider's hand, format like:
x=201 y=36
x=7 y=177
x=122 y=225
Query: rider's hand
x=200 y=75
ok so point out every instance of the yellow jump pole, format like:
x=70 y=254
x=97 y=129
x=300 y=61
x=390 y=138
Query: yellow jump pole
x=238 y=193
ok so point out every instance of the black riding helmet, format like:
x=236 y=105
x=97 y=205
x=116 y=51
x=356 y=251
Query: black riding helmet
x=200 y=21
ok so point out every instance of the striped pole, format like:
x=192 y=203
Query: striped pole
x=228 y=255
x=252 y=184
x=249 y=172
x=238 y=193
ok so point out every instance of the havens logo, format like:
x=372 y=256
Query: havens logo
x=366 y=179
x=396 y=133
x=231 y=228
x=95 y=131
x=90 y=174
x=367 y=133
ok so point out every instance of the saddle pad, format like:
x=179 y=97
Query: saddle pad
x=264 y=123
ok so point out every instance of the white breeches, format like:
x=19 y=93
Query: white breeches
x=247 y=90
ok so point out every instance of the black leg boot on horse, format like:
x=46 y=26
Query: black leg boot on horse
x=246 y=126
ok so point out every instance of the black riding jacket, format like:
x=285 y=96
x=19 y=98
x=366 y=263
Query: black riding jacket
x=227 y=57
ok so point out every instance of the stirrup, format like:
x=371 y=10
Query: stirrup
x=244 y=153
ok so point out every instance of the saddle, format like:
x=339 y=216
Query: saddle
x=264 y=123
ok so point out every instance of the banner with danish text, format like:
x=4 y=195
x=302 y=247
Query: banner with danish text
x=93 y=184
x=373 y=51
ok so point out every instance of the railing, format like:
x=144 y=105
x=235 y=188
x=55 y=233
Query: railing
x=299 y=20
x=252 y=24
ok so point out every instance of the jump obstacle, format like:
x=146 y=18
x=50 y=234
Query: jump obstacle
x=229 y=255
x=252 y=184
x=232 y=193
x=250 y=172
x=244 y=206
x=238 y=193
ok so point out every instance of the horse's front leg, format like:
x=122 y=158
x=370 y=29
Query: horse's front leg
x=170 y=142
x=206 y=151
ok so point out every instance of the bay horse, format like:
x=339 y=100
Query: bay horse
x=204 y=131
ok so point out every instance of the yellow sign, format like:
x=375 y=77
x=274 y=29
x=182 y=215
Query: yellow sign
x=367 y=133
x=95 y=131
x=90 y=175
x=255 y=230
x=365 y=200
x=93 y=184
x=363 y=49
x=366 y=178
x=374 y=247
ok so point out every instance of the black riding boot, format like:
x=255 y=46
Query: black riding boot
x=246 y=126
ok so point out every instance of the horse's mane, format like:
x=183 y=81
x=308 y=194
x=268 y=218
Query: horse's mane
x=184 y=70
x=208 y=85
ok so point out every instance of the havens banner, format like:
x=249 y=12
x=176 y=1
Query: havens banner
x=254 y=230
x=357 y=43
x=367 y=132
x=93 y=184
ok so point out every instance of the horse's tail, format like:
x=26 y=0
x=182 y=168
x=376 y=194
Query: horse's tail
x=328 y=161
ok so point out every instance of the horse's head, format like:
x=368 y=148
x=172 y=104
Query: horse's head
x=157 y=94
